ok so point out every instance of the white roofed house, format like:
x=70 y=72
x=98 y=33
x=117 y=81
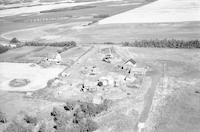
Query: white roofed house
x=58 y=57
x=54 y=57
x=128 y=66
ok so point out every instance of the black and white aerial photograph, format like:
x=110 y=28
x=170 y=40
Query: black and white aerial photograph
x=99 y=65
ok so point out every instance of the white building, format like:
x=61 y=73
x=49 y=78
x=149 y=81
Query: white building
x=54 y=57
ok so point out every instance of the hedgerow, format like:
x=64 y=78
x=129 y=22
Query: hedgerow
x=165 y=43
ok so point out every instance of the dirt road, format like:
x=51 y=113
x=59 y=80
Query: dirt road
x=79 y=62
x=148 y=98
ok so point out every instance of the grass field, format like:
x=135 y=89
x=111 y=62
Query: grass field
x=27 y=54
x=37 y=75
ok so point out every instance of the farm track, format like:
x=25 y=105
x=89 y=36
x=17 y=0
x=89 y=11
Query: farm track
x=78 y=59
x=148 y=98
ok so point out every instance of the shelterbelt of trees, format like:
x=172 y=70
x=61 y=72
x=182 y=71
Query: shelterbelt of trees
x=3 y=49
x=65 y=45
x=54 y=44
x=165 y=43
x=36 y=43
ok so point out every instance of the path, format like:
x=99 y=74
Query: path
x=148 y=98
x=80 y=60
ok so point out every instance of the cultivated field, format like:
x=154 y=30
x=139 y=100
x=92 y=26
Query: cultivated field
x=158 y=12
x=170 y=22
x=62 y=20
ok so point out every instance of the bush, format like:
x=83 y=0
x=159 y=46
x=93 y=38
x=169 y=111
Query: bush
x=3 y=49
x=94 y=21
x=30 y=120
x=77 y=116
x=109 y=43
x=14 y=41
x=84 y=123
x=69 y=106
x=165 y=43
x=55 y=112
x=43 y=128
x=3 y=118
x=88 y=125
x=101 y=16
x=61 y=120
x=91 y=109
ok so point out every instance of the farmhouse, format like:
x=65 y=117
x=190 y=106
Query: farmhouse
x=54 y=57
x=130 y=63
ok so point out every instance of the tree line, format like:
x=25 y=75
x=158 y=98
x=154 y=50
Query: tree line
x=65 y=44
x=36 y=43
x=165 y=43
x=3 y=49
x=54 y=44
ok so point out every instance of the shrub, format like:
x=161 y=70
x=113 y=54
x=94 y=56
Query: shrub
x=69 y=106
x=14 y=40
x=101 y=16
x=42 y=128
x=91 y=109
x=109 y=43
x=61 y=120
x=30 y=120
x=94 y=21
x=3 y=118
x=55 y=112
x=83 y=123
x=77 y=116
x=88 y=125
x=3 y=49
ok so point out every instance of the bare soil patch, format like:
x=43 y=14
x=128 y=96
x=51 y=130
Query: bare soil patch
x=19 y=82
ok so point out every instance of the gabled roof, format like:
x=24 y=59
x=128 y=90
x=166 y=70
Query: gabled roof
x=130 y=60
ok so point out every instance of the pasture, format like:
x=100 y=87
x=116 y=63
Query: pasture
x=37 y=75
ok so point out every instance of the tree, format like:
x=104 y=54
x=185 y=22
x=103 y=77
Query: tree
x=14 y=40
